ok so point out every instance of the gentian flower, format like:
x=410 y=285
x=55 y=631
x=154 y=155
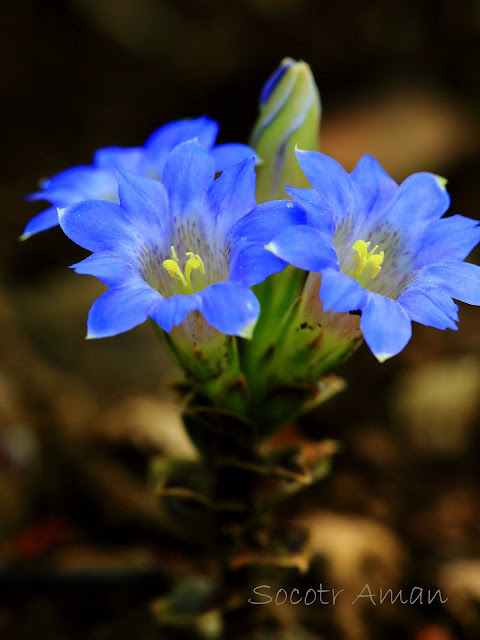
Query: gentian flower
x=98 y=181
x=184 y=250
x=383 y=250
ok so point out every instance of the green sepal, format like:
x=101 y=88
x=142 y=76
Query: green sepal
x=211 y=365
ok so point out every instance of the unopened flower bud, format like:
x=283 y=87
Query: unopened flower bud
x=289 y=117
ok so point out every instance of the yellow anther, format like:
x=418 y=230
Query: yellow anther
x=194 y=262
x=174 y=253
x=173 y=268
x=367 y=259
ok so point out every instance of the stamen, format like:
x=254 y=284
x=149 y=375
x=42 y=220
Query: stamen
x=173 y=268
x=174 y=253
x=194 y=262
x=367 y=259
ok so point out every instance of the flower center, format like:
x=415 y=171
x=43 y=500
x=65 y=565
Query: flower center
x=184 y=277
x=366 y=264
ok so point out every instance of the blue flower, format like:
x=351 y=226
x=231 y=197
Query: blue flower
x=98 y=181
x=382 y=249
x=191 y=243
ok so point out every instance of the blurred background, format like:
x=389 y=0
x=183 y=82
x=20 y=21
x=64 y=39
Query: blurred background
x=83 y=547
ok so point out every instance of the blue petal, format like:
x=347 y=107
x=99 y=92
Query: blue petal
x=438 y=296
x=60 y=198
x=385 y=325
x=340 y=292
x=126 y=158
x=173 y=133
x=264 y=222
x=232 y=196
x=161 y=143
x=109 y=269
x=252 y=264
x=421 y=308
x=45 y=220
x=82 y=183
x=119 y=310
x=172 y=311
x=449 y=239
x=69 y=178
x=332 y=182
x=249 y=261
x=318 y=214
x=441 y=299
x=461 y=280
x=98 y=225
x=188 y=173
x=230 y=307
x=305 y=248
x=227 y=155
x=420 y=200
x=145 y=203
x=374 y=187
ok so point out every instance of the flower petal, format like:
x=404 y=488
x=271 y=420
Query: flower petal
x=60 y=197
x=331 y=181
x=98 y=225
x=42 y=221
x=145 y=203
x=84 y=182
x=305 y=248
x=264 y=222
x=374 y=187
x=318 y=213
x=421 y=308
x=385 y=325
x=450 y=238
x=126 y=158
x=232 y=196
x=230 y=307
x=162 y=141
x=227 y=155
x=461 y=280
x=340 y=292
x=189 y=171
x=253 y=264
x=172 y=311
x=420 y=199
x=121 y=309
x=250 y=262
x=438 y=296
x=109 y=269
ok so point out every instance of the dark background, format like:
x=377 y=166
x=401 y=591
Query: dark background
x=399 y=80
